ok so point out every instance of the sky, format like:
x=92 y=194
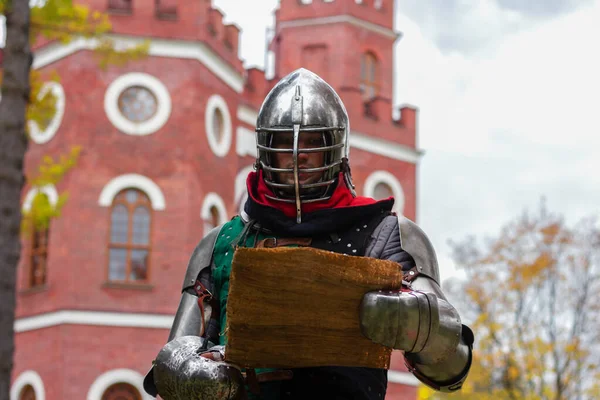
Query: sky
x=507 y=92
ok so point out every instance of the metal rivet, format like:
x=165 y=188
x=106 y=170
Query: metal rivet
x=364 y=226
x=226 y=252
x=357 y=229
x=228 y=237
x=411 y=273
x=349 y=245
x=354 y=250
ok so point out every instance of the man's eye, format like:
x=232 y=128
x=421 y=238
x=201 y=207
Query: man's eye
x=283 y=142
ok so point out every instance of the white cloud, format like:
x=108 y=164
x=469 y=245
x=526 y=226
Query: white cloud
x=504 y=130
x=501 y=126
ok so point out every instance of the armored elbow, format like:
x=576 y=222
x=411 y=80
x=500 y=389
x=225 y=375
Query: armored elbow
x=442 y=339
x=413 y=321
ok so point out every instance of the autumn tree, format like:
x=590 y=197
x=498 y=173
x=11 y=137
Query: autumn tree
x=530 y=295
x=24 y=102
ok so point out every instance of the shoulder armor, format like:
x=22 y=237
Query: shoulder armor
x=417 y=244
x=201 y=257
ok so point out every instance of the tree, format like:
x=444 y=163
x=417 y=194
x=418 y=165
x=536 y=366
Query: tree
x=13 y=143
x=49 y=20
x=531 y=296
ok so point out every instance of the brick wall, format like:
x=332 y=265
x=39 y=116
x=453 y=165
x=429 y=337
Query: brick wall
x=178 y=159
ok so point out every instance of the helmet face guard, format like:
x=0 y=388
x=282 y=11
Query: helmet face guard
x=303 y=103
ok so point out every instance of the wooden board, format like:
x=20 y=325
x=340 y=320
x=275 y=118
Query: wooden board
x=299 y=307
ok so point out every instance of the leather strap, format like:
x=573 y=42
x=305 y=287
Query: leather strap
x=252 y=381
x=203 y=294
x=278 y=375
x=410 y=275
x=273 y=242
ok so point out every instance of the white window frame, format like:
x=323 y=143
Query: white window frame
x=25 y=378
x=49 y=190
x=121 y=375
x=389 y=179
x=211 y=200
x=134 y=181
x=219 y=145
x=163 y=104
x=43 y=136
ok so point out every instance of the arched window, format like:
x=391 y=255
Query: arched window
x=214 y=216
x=40 y=228
x=129 y=243
x=213 y=212
x=120 y=6
x=121 y=391
x=383 y=184
x=382 y=191
x=27 y=393
x=369 y=84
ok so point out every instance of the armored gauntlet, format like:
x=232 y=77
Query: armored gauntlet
x=182 y=371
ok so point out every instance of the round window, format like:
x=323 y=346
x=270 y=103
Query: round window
x=218 y=125
x=138 y=104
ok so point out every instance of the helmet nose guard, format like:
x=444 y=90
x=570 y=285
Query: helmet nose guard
x=303 y=102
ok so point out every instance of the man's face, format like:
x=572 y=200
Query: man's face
x=305 y=160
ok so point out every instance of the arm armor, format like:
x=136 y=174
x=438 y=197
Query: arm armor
x=178 y=371
x=417 y=319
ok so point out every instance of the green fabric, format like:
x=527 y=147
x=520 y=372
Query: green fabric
x=229 y=238
x=223 y=257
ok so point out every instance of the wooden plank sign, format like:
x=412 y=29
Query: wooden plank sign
x=299 y=307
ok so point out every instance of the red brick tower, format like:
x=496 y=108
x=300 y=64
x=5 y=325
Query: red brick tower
x=167 y=143
x=350 y=44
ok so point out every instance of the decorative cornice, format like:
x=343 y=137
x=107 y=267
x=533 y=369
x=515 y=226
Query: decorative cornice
x=100 y=318
x=246 y=144
x=384 y=148
x=134 y=320
x=247 y=115
x=336 y=19
x=158 y=47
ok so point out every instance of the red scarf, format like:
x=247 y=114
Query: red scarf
x=342 y=197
